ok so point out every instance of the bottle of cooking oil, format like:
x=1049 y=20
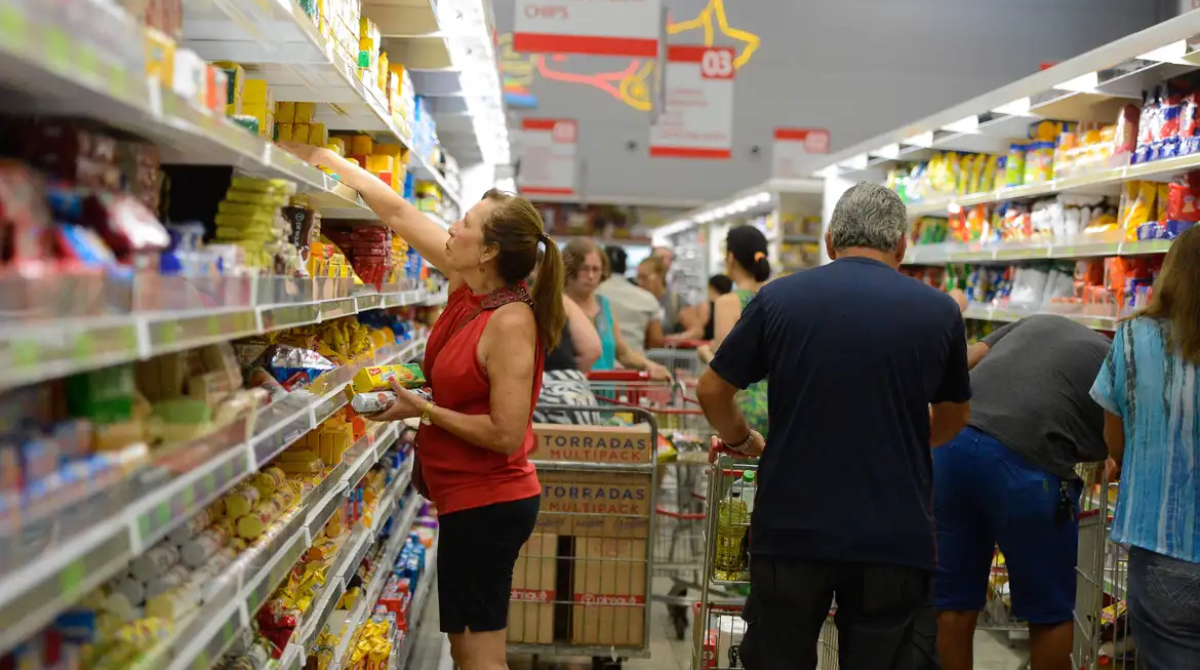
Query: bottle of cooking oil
x=732 y=519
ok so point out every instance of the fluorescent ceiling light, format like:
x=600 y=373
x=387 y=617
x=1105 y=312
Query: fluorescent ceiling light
x=1086 y=83
x=924 y=139
x=1018 y=107
x=889 y=151
x=827 y=171
x=968 y=124
x=1170 y=53
x=764 y=197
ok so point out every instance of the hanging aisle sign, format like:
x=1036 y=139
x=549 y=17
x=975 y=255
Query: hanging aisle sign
x=697 y=116
x=792 y=148
x=592 y=27
x=547 y=153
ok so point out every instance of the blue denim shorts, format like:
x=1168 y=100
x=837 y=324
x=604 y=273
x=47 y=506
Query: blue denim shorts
x=984 y=495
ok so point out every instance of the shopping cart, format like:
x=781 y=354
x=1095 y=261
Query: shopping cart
x=580 y=584
x=680 y=358
x=1102 y=638
x=682 y=463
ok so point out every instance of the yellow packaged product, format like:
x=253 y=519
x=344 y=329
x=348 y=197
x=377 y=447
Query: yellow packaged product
x=305 y=111
x=251 y=525
x=361 y=145
x=256 y=198
x=257 y=91
x=1140 y=209
x=241 y=500
x=408 y=375
x=318 y=136
x=302 y=467
x=283 y=131
x=285 y=112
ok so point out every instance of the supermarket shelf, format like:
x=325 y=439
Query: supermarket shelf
x=281 y=45
x=75 y=81
x=801 y=239
x=1008 y=315
x=343 y=567
x=54 y=348
x=399 y=659
x=1077 y=247
x=35 y=593
x=1102 y=182
x=1091 y=86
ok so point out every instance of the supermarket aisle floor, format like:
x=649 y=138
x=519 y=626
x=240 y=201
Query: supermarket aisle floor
x=992 y=651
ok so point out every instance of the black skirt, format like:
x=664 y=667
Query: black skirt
x=477 y=549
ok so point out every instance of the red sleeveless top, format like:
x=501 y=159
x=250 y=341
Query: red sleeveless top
x=461 y=475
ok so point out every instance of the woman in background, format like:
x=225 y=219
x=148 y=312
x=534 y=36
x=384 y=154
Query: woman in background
x=564 y=381
x=718 y=285
x=584 y=267
x=1149 y=389
x=747 y=266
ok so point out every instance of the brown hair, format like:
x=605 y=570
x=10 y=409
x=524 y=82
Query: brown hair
x=577 y=251
x=516 y=228
x=656 y=264
x=1176 y=297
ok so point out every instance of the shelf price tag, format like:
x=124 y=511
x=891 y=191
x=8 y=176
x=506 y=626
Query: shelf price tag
x=71 y=579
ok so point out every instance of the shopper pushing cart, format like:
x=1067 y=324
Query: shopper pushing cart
x=856 y=354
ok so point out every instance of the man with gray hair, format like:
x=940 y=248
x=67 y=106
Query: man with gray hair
x=868 y=371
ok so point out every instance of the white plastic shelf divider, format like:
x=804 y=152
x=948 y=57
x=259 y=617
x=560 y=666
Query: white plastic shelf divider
x=1009 y=314
x=953 y=252
x=34 y=594
x=55 y=348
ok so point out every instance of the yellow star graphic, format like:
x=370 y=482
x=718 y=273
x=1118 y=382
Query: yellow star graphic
x=715 y=11
x=633 y=88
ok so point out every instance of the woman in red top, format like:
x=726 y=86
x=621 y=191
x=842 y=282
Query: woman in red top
x=484 y=362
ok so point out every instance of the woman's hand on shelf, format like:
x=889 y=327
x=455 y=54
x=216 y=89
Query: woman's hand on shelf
x=305 y=152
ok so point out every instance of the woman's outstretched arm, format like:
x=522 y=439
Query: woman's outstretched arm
x=427 y=237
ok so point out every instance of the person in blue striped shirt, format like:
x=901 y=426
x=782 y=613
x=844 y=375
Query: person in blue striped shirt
x=1149 y=390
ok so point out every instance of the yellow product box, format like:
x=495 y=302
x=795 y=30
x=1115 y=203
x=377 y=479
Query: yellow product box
x=257 y=91
x=283 y=131
x=264 y=114
x=305 y=111
x=318 y=136
x=285 y=112
x=361 y=145
x=338 y=145
x=409 y=376
x=378 y=163
x=381 y=75
x=160 y=57
x=300 y=132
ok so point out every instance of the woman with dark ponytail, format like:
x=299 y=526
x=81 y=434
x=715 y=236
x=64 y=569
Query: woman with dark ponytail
x=484 y=362
x=747 y=265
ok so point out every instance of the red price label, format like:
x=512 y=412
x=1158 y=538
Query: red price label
x=717 y=64
x=564 y=132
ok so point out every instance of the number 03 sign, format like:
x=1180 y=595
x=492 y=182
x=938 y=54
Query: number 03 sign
x=697 y=118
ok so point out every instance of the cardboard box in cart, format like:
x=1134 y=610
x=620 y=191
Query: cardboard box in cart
x=592 y=444
x=596 y=504
x=609 y=584
x=531 y=609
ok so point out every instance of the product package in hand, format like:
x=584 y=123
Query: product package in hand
x=408 y=375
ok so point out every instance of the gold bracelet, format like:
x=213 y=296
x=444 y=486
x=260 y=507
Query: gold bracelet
x=427 y=414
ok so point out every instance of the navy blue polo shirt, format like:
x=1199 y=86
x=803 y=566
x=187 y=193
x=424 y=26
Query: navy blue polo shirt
x=855 y=353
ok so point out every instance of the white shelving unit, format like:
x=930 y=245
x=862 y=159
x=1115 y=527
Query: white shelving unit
x=85 y=59
x=766 y=206
x=1092 y=87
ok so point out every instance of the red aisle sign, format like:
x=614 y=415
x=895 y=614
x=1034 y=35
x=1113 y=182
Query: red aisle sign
x=593 y=27
x=697 y=117
x=792 y=146
x=547 y=154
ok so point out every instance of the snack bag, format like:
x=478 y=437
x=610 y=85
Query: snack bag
x=408 y=375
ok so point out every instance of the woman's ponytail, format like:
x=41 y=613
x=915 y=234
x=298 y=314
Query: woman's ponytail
x=548 y=295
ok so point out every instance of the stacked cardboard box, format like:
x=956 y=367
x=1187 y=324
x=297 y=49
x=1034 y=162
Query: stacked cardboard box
x=531 y=613
x=596 y=525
